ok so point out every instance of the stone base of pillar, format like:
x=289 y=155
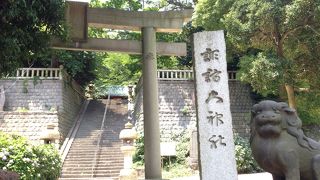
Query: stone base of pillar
x=193 y=163
x=128 y=174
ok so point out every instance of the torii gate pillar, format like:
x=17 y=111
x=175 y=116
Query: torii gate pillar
x=150 y=105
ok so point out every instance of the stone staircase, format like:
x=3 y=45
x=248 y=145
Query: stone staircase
x=86 y=160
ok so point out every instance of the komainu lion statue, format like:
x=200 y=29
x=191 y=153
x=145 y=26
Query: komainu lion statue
x=279 y=145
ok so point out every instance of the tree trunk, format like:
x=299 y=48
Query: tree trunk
x=280 y=54
x=291 y=97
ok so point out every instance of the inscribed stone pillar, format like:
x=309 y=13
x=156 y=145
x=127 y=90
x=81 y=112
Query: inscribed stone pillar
x=150 y=105
x=216 y=145
x=2 y=97
x=193 y=160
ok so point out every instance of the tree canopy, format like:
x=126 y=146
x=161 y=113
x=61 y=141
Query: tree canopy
x=287 y=31
x=25 y=30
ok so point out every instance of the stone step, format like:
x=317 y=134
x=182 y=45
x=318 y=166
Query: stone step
x=106 y=130
x=90 y=164
x=99 y=178
x=89 y=176
x=69 y=168
x=101 y=148
x=88 y=136
x=101 y=156
x=89 y=173
x=103 y=145
x=89 y=159
x=97 y=173
x=115 y=144
x=89 y=169
x=115 y=147
x=94 y=141
x=94 y=150
x=106 y=134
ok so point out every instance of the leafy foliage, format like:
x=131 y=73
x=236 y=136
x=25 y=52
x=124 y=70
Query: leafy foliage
x=118 y=69
x=244 y=158
x=30 y=162
x=138 y=157
x=80 y=65
x=132 y=5
x=26 y=27
x=262 y=72
x=177 y=170
x=183 y=143
x=309 y=107
x=209 y=13
x=182 y=138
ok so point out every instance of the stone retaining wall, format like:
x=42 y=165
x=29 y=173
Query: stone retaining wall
x=29 y=124
x=177 y=108
x=43 y=98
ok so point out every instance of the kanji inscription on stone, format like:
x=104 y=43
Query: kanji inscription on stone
x=214 y=95
x=212 y=75
x=215 y=118
x=210 y=54
x=216 y=140
x=216 y=145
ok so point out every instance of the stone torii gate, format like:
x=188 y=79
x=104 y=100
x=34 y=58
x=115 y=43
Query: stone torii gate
x=80 y=16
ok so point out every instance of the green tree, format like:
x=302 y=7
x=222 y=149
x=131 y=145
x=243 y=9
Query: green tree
x=118 y=69
x=286 y=28
x=25 y=30
x=81 y=65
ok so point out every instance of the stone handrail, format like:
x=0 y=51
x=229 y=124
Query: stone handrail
x=175 y=74
x=181 y=75
x=42 y=73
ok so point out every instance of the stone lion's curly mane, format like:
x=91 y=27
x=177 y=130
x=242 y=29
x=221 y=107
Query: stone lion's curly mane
x=292 y=124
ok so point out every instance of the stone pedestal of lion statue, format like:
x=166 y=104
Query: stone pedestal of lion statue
x=279 y=145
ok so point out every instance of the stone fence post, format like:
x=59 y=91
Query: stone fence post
x=2 y=97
